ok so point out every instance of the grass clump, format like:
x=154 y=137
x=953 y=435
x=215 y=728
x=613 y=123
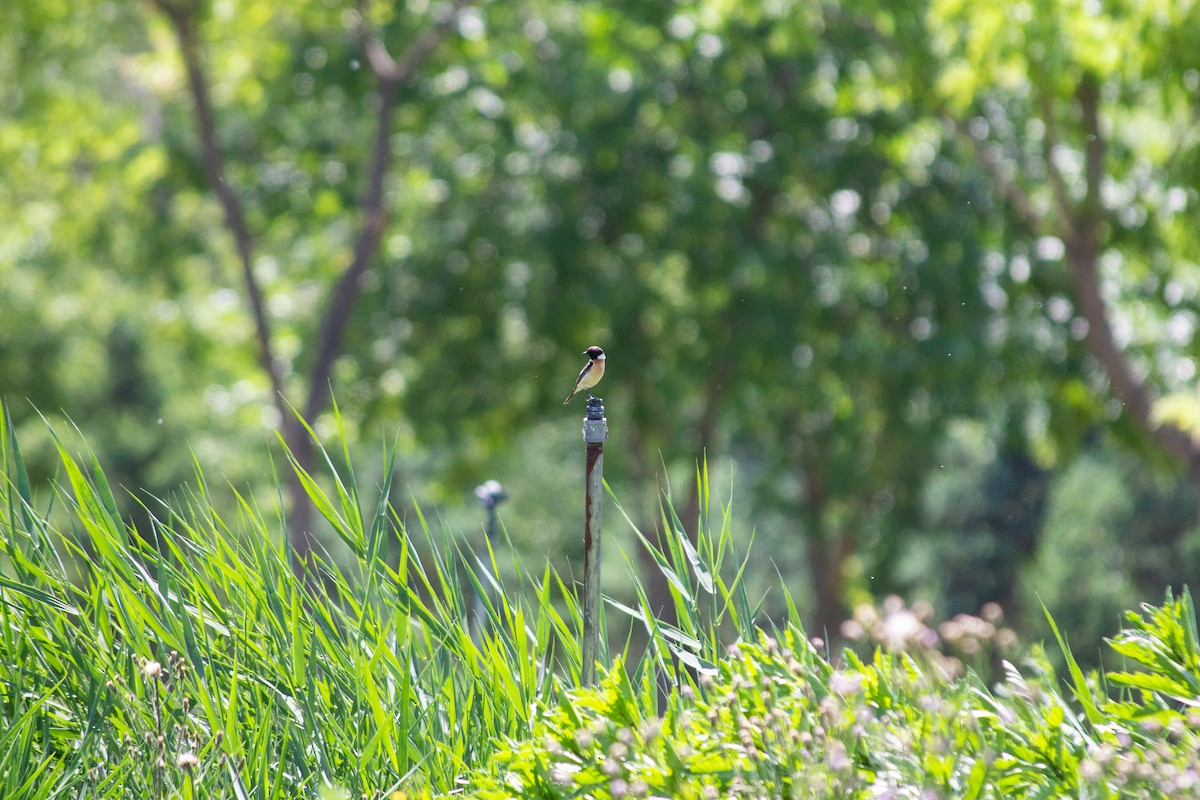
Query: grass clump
x=188 y=660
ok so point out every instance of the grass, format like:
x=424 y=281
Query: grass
x=187 y=660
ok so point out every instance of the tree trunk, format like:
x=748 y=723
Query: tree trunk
x=828 y=550
x=1080 y=224
x=827 y=565
x=1083 y=241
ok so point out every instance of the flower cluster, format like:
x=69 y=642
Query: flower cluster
x=965 y=641
x=164 y=739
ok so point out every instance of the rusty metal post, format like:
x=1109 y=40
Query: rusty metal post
x=595 y=432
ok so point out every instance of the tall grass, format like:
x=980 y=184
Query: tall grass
x=187 y=659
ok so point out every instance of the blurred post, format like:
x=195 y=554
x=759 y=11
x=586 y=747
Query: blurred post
x=595 y=432
x=490 y=495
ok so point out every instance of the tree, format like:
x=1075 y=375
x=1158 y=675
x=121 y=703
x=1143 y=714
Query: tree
x=733 y=217
x=1085 y=123
x=186 y=19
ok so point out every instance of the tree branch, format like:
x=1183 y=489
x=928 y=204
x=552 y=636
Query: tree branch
x=181 y=16
x=391 y=74
x=1094 y=146
x=1083 y=251
x=400 y=72
x=1081 y=226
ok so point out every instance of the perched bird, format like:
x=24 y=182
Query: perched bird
x=591 y=373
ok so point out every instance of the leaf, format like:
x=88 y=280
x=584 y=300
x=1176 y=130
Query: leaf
x=1082 y=692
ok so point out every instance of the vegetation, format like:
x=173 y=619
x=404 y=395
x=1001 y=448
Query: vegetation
x=186 y=659
x=829 y=242
x=777 y=720
x=916 y=279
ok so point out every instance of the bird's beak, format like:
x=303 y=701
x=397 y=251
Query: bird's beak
x=584 y=353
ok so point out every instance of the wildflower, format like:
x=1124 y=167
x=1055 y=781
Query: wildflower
x=853 y=630
x=563 y=774
x=866 y=615
x=951 y=630
x=151 y=670
x=923 y=609
x=838 y=760
x=992 y=612
x=845 y=682
x=187 y=760
x=900 y=628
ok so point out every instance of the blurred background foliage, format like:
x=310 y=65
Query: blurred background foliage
x=827 y=246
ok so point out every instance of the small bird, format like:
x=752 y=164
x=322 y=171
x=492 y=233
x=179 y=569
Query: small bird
x=591 y=373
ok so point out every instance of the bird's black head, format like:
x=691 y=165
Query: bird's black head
x=594 y=352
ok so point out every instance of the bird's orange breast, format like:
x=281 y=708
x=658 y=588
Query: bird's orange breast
x=593 y=375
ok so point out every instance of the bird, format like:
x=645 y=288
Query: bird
x=591 y=373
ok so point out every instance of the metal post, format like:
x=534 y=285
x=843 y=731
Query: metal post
x=595 y=432
x=490 y=495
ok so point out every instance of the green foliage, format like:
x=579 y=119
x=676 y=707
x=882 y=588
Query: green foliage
x=1162 y=642
x=778 y=217
x=1109 y=523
